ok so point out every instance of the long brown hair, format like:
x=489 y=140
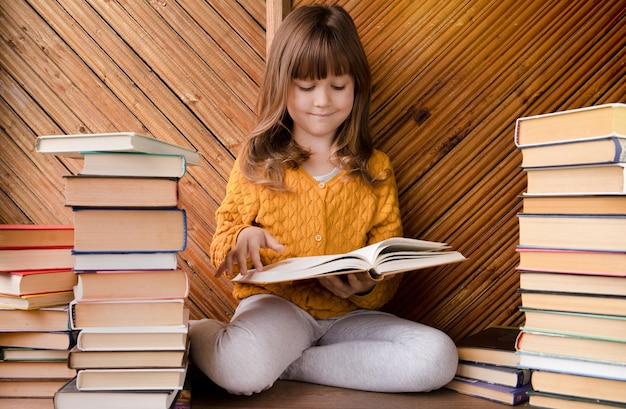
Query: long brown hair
x=311 y=43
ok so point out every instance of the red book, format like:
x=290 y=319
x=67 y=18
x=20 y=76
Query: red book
x=37 y=281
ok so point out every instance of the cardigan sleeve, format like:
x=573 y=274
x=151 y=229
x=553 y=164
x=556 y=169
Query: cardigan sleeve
x=237 y=211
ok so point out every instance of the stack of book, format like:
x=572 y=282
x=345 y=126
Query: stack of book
x=573 y=256
x=128 y=305
x=36 y=281
x=489 y=367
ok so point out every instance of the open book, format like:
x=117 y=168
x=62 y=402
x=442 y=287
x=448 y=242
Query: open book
x=392 y=256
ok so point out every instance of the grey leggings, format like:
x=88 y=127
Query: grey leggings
x=270 y=338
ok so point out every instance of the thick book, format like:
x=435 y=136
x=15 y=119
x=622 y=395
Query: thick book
x=76 y=145
x=555 y=401
x=131 y=379
x=498 y=393
x=34 y=301
x=573 y=232
x=392 y=256
x=574 y=204
x=111 y=230
x=133 y=339
x=610 y=149
x=30 y=388
x=572 y=347
x=20 y=236
x=43 y=319
x=37 y=281
x=120 y=191
x=583 y=179
x=39 y=370
x=133 y=164
x=61 y=340
x=125 y=261
x=573 y=366
x=69 y=397
x=493 y=345
x=31 y=354
x=126 y=359
x=579 y=386
x=573 y=124
x=573 y=283
x=574 y=302
x=599 y=326
x=572 y=261
x=501 y=375
x=36 y=259
x=131 y=284
x=130 y=313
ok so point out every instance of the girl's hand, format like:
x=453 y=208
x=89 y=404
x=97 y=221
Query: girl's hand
x=345 y=286
x=249 y=243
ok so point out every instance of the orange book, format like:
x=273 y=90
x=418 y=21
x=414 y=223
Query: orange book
x=21 y=236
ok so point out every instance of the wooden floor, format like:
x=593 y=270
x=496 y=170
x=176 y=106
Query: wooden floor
x=296 y=395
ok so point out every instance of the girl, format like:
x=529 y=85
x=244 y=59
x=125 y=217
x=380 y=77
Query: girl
x=309 y=182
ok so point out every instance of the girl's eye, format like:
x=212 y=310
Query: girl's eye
x=339 y=87
x=306 y=88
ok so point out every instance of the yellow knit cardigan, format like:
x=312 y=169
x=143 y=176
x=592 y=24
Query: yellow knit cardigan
x=312 y=218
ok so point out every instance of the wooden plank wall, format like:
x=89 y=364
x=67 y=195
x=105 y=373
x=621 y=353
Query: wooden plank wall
x=450 y=79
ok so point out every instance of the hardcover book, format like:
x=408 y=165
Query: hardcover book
x=572 y=346
x=574 y=302
x=76 y=145
x=36 y=259
x=609 y=149
x=131 y=379
x=585 y=179
x=575 y=366
x=610 y=263
x=579 y=386
x=115 y=230
x=575 y=204
x=37 y=281
x=44 y=319
x=126 y=359
x=133 y=338
x=575 y=232
x=494 y=345
x=120 y=191
x=572 y=124
x=69 y=397
x=133 y=164
x=501 y=375
x=30 y=388
x=573 y=283
x=131 y=284
x=130 y=313
x=554 y=401
x=20 y=236
x=498 y=393
x=125 y=261
x=34 y=301
x=61 y=340
x=607 y=327
x=30 y=354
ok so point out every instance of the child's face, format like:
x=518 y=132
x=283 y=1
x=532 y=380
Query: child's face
x=319 y=107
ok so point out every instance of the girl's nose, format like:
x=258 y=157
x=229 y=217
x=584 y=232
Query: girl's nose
x=322 y=96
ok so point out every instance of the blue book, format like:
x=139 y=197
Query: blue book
x=498 y=393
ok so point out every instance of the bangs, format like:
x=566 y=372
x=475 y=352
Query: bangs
x=321 y=56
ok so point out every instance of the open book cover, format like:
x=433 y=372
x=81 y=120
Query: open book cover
x=392 y=256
